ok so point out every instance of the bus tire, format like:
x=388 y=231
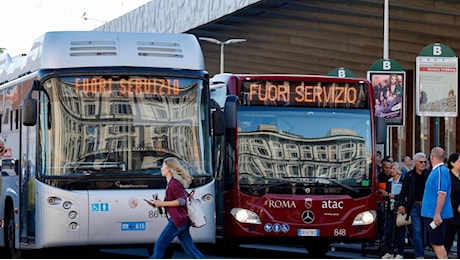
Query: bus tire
x=4 y=253
x=11 y=237
x=150 y=250
x=364 y=249
x=230 y=246
x=318 y=250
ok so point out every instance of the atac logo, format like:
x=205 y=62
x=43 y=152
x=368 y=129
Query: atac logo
x=331 y=204
x=308 y=203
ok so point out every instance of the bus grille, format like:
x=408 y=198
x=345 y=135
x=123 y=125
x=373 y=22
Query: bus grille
x=159 y=49
x=109 y=48
x=93 y=48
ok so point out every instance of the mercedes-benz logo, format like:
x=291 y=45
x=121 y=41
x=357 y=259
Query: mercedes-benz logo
x=308 y=216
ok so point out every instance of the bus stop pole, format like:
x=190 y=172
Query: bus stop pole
x=386 y=56
x=436 y=131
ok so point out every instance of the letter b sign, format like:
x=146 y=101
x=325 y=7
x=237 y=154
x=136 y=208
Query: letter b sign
x=386 y=65
x=437 y=50
x=341 y=73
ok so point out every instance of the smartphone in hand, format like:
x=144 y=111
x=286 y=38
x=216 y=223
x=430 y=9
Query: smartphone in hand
x=155 y=197
x=150 y=203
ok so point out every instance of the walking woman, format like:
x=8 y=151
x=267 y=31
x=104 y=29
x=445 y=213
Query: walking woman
x=453 y=224
x=175 y=204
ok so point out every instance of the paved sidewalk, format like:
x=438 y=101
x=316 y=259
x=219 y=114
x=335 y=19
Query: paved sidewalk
x=373 y=250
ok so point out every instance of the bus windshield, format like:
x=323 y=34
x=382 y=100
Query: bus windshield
x=304 y=150
x=121 y=125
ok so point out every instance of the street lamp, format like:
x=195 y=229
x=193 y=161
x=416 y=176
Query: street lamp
x=222 y=44
x=86 y=18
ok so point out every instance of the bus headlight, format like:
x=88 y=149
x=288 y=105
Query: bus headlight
x=73 y=214
x=73 y=226
x=365 y=218
x=207 y=197
x=245 y=216
x=66 y=204
x=53 y=200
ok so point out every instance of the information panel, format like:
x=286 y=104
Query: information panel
x=436 y=93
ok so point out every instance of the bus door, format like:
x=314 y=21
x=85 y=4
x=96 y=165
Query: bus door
x=27 y=176
x=218 y=130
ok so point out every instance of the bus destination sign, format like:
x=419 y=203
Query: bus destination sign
x=125 y=86
x=303 y=93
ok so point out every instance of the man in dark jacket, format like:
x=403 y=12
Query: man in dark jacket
x=410 y=200
x=385 y=174
x=382 y=178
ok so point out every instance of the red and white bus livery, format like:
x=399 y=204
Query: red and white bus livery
x=296 y=161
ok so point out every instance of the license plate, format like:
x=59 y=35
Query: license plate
x=132 y=226
x=307 y=232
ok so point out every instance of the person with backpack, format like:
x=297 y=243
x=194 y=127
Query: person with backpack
x=175 y=204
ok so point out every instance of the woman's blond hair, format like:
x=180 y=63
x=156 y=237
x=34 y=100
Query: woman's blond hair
x=179 y=173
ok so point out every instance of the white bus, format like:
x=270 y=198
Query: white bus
x=87 y=118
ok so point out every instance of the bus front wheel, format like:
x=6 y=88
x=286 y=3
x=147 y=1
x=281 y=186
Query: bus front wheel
x=11 y=237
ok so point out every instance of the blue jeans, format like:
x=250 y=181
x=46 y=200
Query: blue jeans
x=167 y=236
x=417 y=230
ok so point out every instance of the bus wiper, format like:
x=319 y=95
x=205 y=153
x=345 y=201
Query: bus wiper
x=335 y=181
x=280 y=182
x=90 y=167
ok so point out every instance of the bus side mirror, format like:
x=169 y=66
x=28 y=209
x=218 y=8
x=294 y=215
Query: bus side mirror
x=381 y=128
x=29 y=112
x=218 y=120
x=218 y=123
x=29 y=106
x=230 y=111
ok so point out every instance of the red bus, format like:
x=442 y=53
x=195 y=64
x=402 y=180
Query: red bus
x=296 y=164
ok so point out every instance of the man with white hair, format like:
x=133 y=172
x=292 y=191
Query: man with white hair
x=410 y=200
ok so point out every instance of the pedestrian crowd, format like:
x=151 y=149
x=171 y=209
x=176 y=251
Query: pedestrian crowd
x=424 y=189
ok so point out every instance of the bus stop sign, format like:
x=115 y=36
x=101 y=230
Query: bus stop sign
x=436 y=81
x=389 y=83
x=342 y=73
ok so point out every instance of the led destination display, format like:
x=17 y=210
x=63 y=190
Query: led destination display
x=302 y=93
x=138 y=85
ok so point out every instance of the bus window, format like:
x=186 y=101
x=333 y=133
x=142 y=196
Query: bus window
x=9 y=167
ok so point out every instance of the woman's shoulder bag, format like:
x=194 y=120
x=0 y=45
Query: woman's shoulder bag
x=195 y=212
